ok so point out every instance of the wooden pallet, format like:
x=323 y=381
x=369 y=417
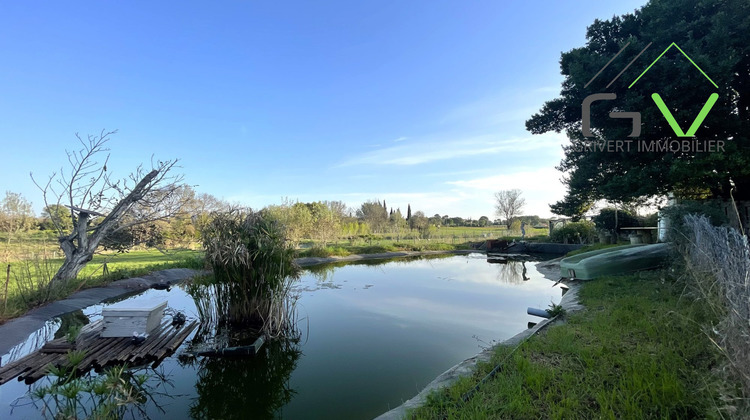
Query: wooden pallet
x=99 y=351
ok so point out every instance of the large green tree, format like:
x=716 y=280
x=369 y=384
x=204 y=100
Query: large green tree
x=374 y=214
x=715 y=34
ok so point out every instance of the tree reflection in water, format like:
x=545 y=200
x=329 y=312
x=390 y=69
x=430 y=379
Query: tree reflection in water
x=245 y=388
x=512 y=272
x=251 y=387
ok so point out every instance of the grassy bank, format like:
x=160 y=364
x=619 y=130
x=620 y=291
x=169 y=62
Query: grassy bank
x=29 y=277
x=344 y=250
x=445 y=235
x=637 y=351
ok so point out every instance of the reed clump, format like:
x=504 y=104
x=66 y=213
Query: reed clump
x=254 y=269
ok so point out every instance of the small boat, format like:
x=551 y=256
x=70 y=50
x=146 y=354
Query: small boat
x=613 y=261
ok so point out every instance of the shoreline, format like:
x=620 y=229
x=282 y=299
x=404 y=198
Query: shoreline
x=16 y=330
x=308 y=261
x=551 y=271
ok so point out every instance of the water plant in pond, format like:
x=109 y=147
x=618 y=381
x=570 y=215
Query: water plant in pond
x=109 y=395
x=253 y=265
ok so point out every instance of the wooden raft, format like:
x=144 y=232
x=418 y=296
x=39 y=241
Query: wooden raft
x=100 y=351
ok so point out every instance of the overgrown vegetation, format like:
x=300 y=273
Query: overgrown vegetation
x=638 y=351
x=253 y=264
x=676 y=213
x=582 y=232
x=714 y=265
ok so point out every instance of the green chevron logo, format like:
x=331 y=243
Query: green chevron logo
x=696 y=123
x=663 y=107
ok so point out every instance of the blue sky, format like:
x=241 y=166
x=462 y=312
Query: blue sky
x=419 y=102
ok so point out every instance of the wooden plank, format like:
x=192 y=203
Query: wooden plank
x=100 y=351
x=158 y=343
x=24 y=365
x=175 y=342
x=40 y=369
x=110 y=351
x=152 y=342
x=14 y=365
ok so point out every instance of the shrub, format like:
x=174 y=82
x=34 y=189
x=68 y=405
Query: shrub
x=574 y=232
x=606 y=219
x=676 y=214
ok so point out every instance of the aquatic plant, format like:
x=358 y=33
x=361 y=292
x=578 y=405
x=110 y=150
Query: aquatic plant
x=110 y=395
x=253 y=265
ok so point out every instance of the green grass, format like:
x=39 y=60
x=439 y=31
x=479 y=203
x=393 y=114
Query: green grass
x=637 y=352
x=120 y=266
x=344 y=250
x=446 y=235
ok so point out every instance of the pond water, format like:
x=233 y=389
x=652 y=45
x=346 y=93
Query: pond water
x=373 y=334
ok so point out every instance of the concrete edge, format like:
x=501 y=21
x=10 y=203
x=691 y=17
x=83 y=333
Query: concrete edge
x=569 y=302
x=15 y=331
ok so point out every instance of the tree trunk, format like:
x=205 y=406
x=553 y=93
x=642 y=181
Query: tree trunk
x=71 y=267
x=80 y=245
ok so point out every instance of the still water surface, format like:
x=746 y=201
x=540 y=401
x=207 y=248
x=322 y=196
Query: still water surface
x=374 y=333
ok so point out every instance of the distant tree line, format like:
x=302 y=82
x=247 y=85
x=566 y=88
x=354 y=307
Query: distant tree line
x=320 y=221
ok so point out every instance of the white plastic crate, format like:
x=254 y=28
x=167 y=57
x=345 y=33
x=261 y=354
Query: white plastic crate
x=122 y=319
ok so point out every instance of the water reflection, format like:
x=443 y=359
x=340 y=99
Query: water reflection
x=375 y=332
x=71 y=322
x=34 y=342
x=323 y=273
x=118 y=392
x=512 y=272
x=247 y=388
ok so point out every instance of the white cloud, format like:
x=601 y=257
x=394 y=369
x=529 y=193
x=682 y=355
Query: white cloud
x=425 y=151
x=540 y=187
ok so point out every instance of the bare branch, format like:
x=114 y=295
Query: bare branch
x=101 y=205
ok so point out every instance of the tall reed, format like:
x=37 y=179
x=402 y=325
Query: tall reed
x=254 y=269
x=715 y=265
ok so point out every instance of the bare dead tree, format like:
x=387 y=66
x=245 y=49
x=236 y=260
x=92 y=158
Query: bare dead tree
x=508 y=204
x=100 y=205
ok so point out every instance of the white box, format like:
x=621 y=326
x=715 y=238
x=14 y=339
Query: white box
x=124 y=318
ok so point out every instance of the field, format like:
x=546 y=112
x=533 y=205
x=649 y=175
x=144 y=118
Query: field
x=446 y=235
x=30 y=264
